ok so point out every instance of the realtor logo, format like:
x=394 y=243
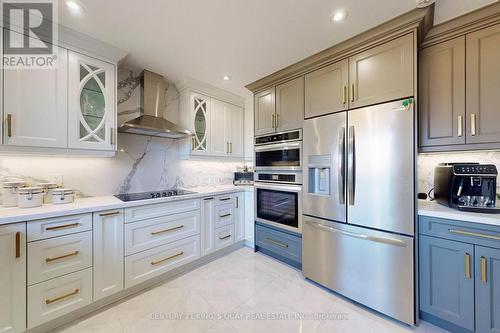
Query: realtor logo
x=30 y=33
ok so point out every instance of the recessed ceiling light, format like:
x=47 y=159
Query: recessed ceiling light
x=75 y=7
x=226 y=78
x=338 y=15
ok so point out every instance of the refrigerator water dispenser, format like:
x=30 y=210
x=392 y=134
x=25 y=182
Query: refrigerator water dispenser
x=319 y=174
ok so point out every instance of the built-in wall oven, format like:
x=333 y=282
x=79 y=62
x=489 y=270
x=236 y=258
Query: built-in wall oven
x=279 y=151
x=278 y=199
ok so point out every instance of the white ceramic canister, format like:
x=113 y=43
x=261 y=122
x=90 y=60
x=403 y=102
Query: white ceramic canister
x=30 y=197
x=62 y=195
x=47 y=190
x=9 y=193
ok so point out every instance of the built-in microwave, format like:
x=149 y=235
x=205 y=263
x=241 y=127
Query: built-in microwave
x=280 y=151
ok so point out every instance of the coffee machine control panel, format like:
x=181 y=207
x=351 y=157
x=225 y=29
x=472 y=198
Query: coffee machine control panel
x=475 y=169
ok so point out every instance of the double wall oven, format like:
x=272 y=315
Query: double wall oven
x=278 y=180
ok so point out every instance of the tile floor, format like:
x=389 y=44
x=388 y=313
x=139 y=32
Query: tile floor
x=236 y=293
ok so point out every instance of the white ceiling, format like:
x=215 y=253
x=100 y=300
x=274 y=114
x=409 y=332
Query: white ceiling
x=247 y=40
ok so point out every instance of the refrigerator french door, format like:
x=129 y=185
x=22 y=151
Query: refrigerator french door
x=358 y=223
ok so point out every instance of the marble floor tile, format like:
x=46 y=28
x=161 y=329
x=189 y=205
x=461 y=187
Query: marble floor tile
x=241 y=292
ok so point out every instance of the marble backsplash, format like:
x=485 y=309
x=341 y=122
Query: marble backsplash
x=142 y=163
x=427 y=162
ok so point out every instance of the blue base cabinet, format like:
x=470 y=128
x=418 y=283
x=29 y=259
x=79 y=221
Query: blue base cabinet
x=487 y=290
x=459 y=275
x=280 y=244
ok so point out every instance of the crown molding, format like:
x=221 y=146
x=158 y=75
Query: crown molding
x=419 y=20
x=188 y=83
x=462 y=25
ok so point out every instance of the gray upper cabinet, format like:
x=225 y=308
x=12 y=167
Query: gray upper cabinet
x=265 y=112
x=442 y=94
x=290 y=105
x=482 y=85
x=383 y=73
x=326 y=89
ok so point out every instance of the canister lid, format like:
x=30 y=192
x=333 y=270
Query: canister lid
x=59 y=191
x=14 y=184
x=30 y=190
x=48 y=185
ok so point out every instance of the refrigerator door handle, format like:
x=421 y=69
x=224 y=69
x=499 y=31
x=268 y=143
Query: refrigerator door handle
x=351 y=165
x=385 y=240
x=341 y=166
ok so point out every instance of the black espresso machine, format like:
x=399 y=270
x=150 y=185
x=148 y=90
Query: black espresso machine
x=467 y=186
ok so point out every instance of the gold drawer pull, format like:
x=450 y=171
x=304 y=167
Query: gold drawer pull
x=167 y=258
x=72 y=254
x=272 y=241
x=473 y=234
x=166 y=230
x=483 y=270
x=109 y=214
x=225 y=215
x=467 y=266
x=60 y=227
x=18 y=244
x=60 y=298
x=225 y=237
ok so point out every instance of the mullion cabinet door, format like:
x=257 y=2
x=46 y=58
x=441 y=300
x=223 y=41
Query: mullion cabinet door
x=92 y=105
x=201 y=116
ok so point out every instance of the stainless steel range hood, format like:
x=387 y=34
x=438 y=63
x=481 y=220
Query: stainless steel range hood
x=151 y=123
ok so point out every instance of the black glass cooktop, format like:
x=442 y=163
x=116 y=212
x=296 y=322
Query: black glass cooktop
x=152 y=195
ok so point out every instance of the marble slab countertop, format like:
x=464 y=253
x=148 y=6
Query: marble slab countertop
x=94 y=204
x=433 y=209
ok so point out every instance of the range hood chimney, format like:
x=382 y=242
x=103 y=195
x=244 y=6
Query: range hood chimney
x=151 y=123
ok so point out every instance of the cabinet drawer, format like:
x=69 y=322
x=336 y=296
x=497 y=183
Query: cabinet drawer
x=156 y=210
x=224 y=236
x=467 y=232
x=59 y=226
x=224 y=215
x=145 y=265
x=224 y=199
x=146 y=234
x=54 y=257
x=279 y=242
x=54 y=298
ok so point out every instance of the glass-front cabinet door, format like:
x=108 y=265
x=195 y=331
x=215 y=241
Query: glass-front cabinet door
x=92 y=106
x=200 y=110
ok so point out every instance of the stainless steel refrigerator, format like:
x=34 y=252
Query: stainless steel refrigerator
x=359 y=206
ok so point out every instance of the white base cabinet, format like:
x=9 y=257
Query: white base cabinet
x=108 y=253
x=13 y=278
x=208 y=226
x=239 y=216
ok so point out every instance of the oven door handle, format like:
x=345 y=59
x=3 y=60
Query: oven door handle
x=282 y=188
x=278 y=146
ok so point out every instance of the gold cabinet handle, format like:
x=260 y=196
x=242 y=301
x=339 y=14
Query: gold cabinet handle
x=167 y=258
x=237 y=202
x=60 y=227
x=72 y=254
x=109 y=214
x=473 y=234
x=483 y=270
x=275 y=242
x=460 y=126
x=225 y=237
x=231 y=147
x=159 y=232
x=344 y=94
x=352 y=92
x=225 y=215
x=18 y=244
x=60 y=298
x=473 y=124
x=273 y=120
x=193 y=143
x=277 y=120
x=467 y=266
x=9 y=125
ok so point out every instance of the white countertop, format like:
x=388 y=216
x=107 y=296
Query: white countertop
x=433 y=209
x=93 y=204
